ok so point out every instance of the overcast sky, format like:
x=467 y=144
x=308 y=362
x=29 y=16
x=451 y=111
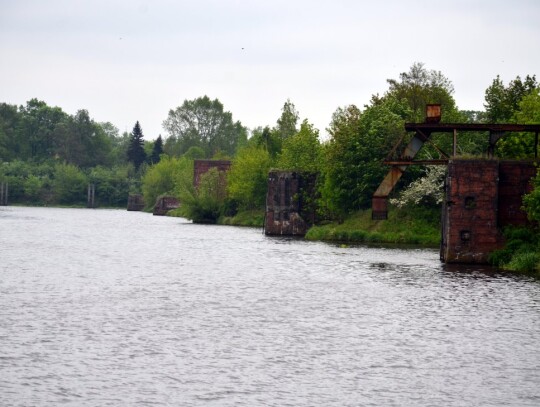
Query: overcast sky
x=133 y=60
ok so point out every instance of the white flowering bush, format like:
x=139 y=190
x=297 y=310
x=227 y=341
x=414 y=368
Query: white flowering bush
x=429 y=188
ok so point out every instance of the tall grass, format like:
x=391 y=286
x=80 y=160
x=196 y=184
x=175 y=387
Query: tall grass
x=415 y=225
x=521 y=252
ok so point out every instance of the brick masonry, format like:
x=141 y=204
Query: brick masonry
x=202 y=166
x=482 y=197
x=288 y=203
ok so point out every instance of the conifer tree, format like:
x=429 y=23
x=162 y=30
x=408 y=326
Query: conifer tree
x=135 y=152
x=157 y=150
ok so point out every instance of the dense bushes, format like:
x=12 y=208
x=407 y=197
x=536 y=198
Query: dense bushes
x=52 y=183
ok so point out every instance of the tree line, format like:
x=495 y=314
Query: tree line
x=42 y=145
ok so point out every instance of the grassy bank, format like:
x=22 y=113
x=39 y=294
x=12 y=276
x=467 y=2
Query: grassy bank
x=521 y=253
x=253 y=218
x=406 y=226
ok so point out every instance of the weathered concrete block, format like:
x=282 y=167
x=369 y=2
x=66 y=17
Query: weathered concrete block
x=289 y=203
x=164 y=204
x=135 y=202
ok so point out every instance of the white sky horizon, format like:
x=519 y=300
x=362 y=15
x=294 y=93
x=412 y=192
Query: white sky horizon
x=128 y=61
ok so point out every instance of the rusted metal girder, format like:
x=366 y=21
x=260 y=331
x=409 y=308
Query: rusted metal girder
x=416 y=162
x=422 y=135
x=380 y=197
x=491 y=127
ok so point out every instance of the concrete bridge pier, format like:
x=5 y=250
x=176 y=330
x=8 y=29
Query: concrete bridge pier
x=4 y=193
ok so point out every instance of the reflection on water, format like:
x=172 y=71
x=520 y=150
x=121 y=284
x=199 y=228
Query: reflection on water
x=108 y=308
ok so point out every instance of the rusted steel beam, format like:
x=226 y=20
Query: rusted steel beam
x=379 y=203
x=491 y=127
x=416 y=162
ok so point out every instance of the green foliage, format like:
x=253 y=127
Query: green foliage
x=112 y=185
x=32 y=188
x=302 y=151
x=531 y=201
x=36 y=132
x=521 y=252
x=70 y=184
x=267 y=139
x=254 y=218
x=502 y=102
x=247 y=179
x=286 y=124
x=420 y=87
x=524 y=262
x=81 y=142
x=404 y=226
x=10 y=142
x=135 y=152
x=517 y=103
x=205 y=203
x=161 y=178
x=427 y=190
x=157 y=150
x=203 y=123
x=353 y=157
x=194 y=153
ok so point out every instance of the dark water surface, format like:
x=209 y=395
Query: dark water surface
x=117 y=308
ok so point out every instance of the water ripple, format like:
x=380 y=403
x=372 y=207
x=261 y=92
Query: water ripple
x=108 y=308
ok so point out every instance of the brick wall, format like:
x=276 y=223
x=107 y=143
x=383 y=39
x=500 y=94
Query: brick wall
x=514 y=182
x=482 y=196
x=202 y=166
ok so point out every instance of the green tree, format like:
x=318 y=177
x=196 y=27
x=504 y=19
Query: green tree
x=194 y=153
x=420 y=87
x=205 y=203
x=203 y=123
x=157 y=150
x=502 y=102
x=353 y=156
x=302 y=152
x=516 y=103
x=267 y=139
x=135 y=151
x=247 y=179
x=112 y=184
x=80 y=141
x=161 y=178
x=70 y=184
x=286 y=124
x=36 y=130
x=11 y=145
x=32 y=188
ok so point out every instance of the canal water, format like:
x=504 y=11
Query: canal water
x=117 y=308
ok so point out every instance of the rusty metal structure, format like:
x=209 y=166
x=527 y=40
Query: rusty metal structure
x=422 y=135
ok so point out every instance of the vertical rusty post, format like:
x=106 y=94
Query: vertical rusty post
x=455 y=143
x=91 y=195
x=536 y=145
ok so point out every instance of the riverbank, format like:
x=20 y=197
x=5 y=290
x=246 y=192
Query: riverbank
x=521 y=253
x=252 y=218
x=419 y=226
